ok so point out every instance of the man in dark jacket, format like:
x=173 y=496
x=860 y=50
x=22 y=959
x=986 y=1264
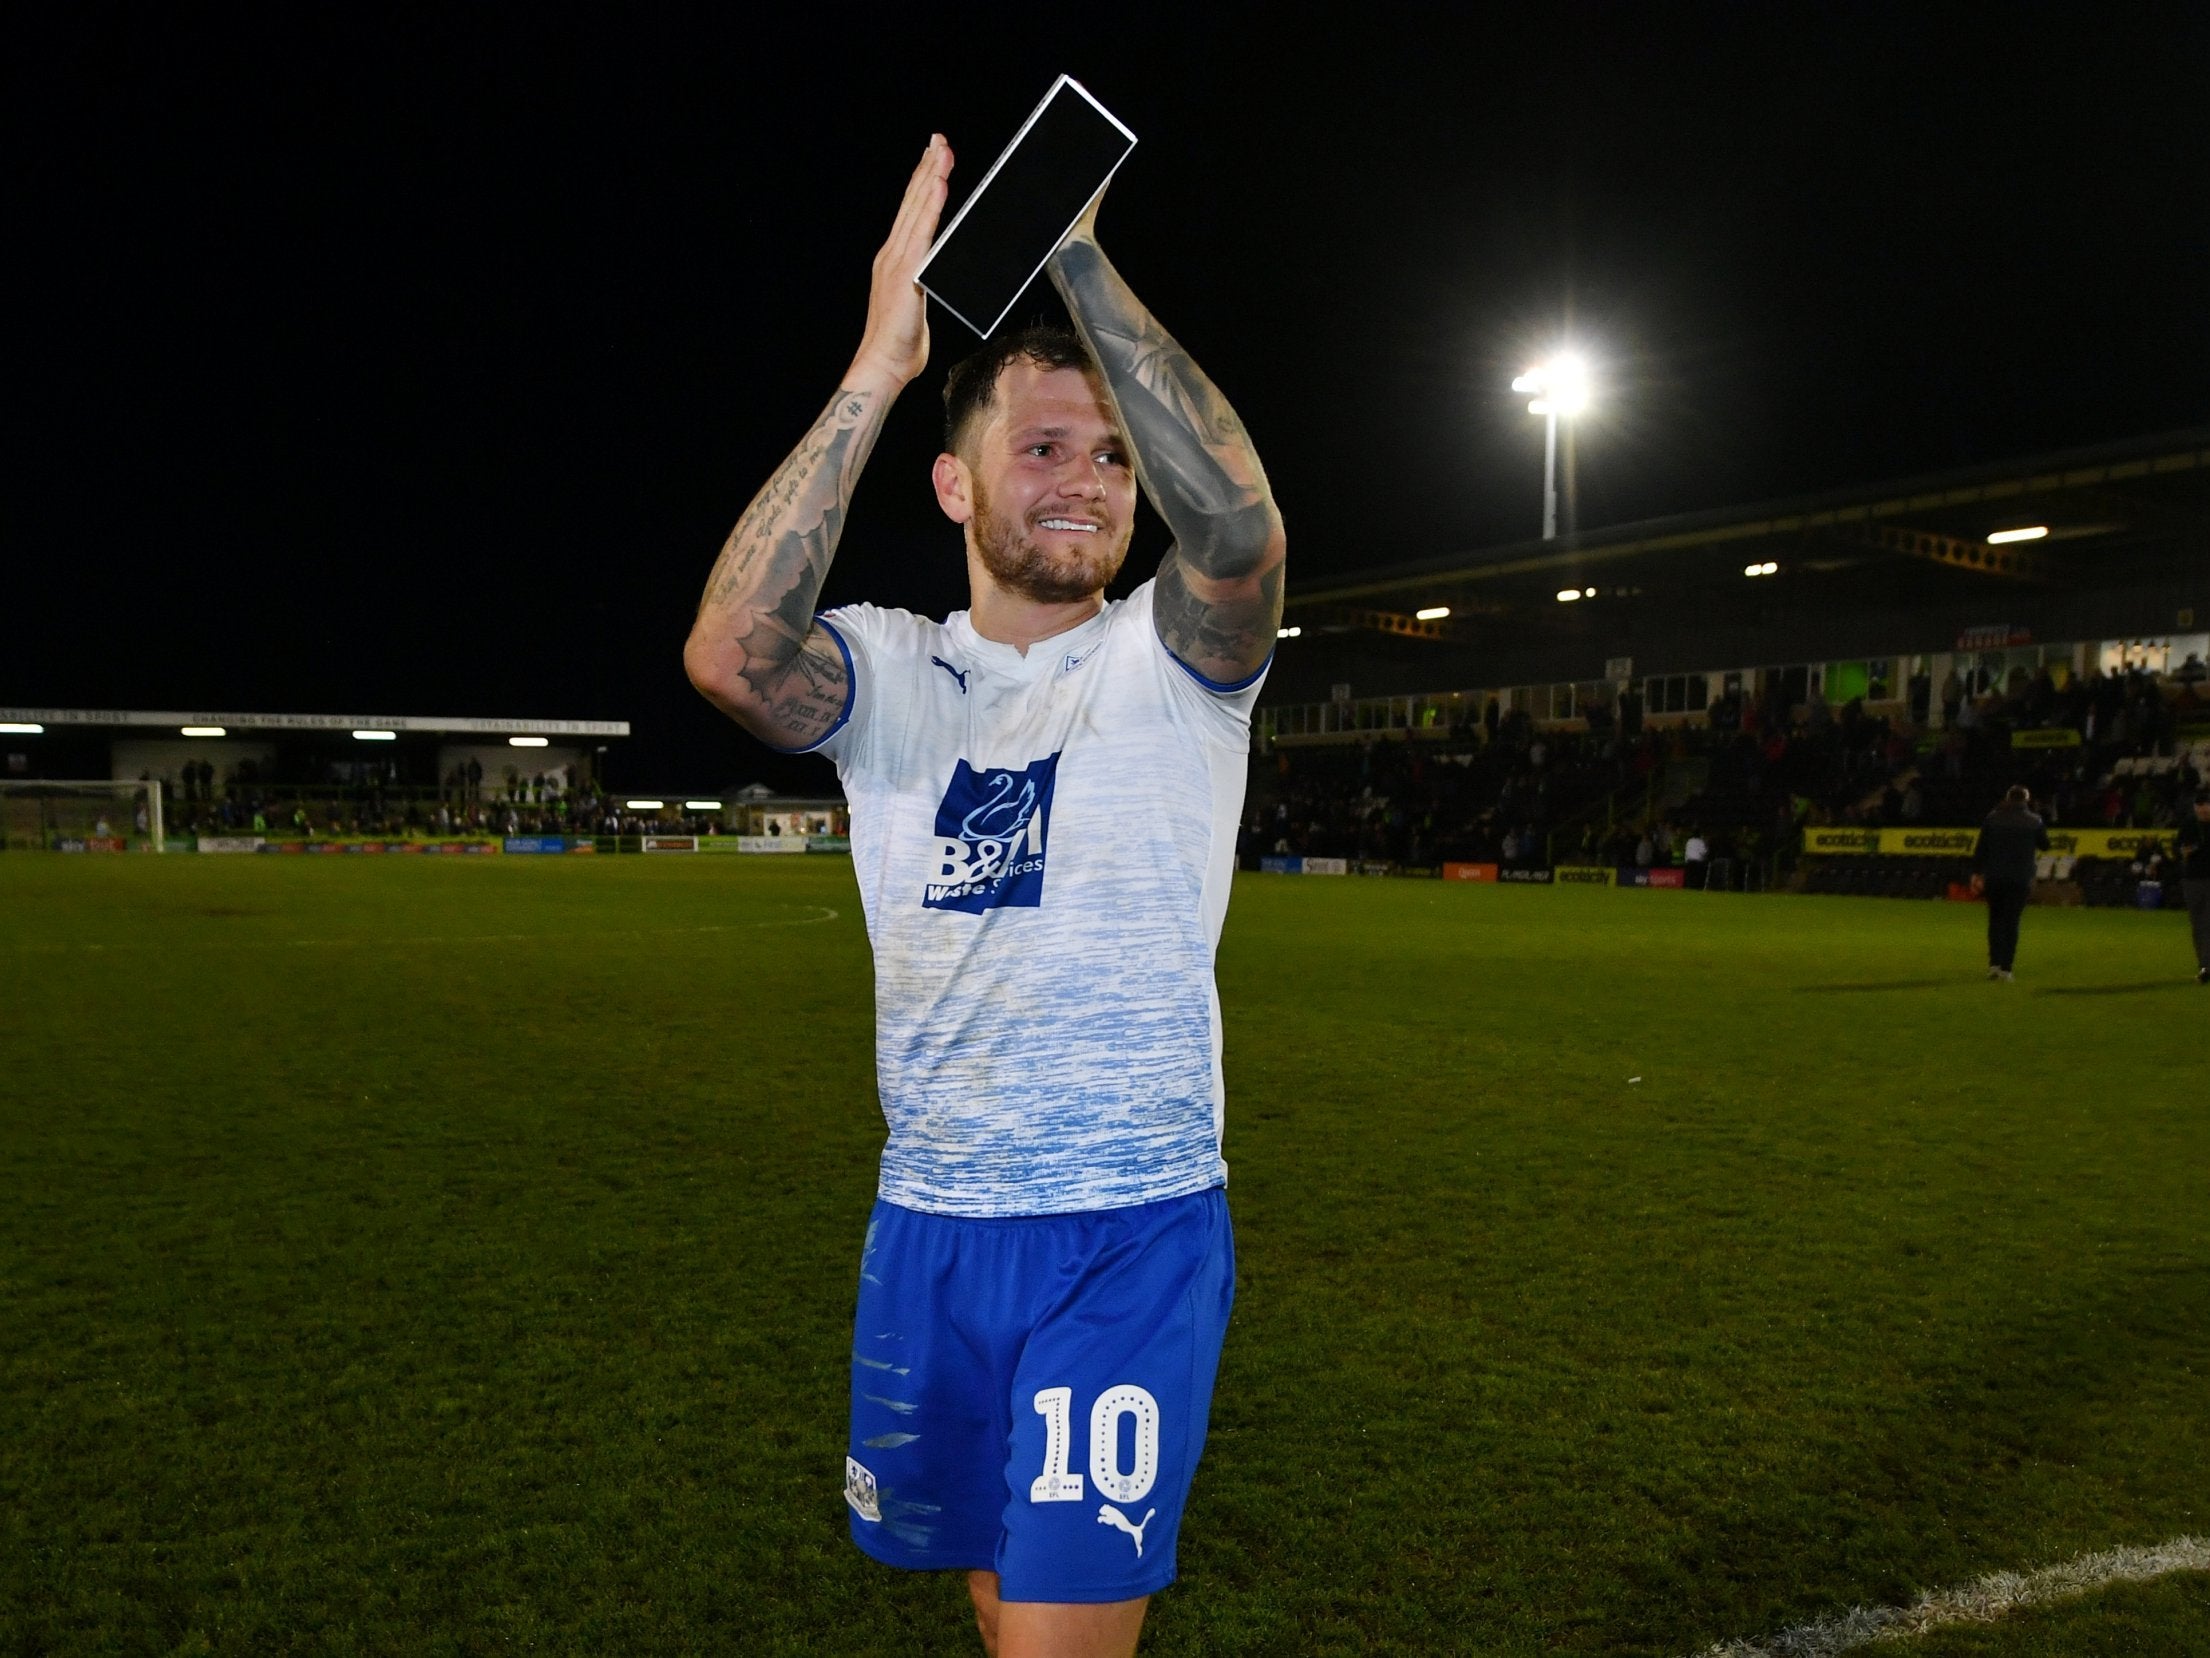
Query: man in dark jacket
x=2003 y=861
x=2194 y=872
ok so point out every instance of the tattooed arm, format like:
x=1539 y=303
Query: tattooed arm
x=1218 y=600
x=755 y=651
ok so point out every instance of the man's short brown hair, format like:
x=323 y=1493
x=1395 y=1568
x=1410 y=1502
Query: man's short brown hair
x=972 y=386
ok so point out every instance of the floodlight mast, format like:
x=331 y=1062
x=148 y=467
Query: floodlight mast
x=1561 y=388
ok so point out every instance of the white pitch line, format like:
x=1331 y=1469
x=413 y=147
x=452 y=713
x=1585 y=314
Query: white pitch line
x=1983 y=1600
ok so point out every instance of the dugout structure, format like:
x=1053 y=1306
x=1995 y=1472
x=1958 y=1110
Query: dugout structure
x=80 y=815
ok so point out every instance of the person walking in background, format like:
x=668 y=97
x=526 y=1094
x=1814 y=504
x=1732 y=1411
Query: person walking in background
x=2193 y=844
x=2003 y=861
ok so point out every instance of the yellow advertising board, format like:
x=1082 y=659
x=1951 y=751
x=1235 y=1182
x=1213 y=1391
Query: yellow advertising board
x=2054 y=736
x=1958 y=843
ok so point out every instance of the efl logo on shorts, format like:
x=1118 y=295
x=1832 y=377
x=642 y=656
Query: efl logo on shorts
x=990 y=838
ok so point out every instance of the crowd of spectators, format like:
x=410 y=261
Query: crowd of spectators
x=1739 y=782
x=465 y=805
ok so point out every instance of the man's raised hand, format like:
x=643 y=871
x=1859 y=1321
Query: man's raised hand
x=896 y=343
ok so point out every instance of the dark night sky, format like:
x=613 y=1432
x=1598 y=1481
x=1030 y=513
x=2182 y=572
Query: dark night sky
x=419 y=362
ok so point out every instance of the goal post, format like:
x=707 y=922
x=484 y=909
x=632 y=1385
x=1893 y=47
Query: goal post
x=80 y=815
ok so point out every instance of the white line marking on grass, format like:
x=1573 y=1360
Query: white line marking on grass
x=822 y=913
x=1984 y=1600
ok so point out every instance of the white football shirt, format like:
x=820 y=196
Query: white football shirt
x=1044 y=846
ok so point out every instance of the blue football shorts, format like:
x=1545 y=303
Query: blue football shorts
x=1029 y=1395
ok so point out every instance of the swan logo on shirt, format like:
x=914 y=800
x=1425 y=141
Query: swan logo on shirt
x=990 y=838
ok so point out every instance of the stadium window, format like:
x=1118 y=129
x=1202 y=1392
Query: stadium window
x=1699 y=693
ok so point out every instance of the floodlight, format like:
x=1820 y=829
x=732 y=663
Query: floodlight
x=1288 y=633
x=15 y=729
x=1566 y=595
x=701 y=805
x=527 y=742
x=1433 y=613
x=201 y=731
x=2032 y=532
x=1588 y=592
x=1561 y=388
x=644 y=805
x=375 y=736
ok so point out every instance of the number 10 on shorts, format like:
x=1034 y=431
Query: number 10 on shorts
x=1060 y=1484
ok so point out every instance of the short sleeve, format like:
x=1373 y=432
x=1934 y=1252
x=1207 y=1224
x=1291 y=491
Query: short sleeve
x=1221 y=708
x=874 y=642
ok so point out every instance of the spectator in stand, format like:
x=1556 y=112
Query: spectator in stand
x=2193 y=843
x=2003 y=864
x=1695 y=858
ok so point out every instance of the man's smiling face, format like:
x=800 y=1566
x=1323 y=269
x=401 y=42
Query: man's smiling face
x=1054 y=495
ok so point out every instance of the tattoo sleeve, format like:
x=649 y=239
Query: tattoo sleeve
x=755 y=649
x=1218 y=599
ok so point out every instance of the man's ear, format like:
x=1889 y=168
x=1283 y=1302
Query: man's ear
x=954 y=488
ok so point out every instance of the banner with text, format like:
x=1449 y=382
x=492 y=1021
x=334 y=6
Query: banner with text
x=1958 y=843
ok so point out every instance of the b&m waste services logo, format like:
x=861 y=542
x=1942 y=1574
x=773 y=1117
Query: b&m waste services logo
x=990 y=838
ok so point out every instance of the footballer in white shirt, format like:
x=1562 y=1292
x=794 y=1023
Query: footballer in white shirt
x=1044 y=792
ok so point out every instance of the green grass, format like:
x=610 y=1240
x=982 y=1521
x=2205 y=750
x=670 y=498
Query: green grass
x=456 y=1257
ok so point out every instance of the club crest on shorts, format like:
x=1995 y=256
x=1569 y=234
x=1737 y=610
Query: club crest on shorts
x=990 y=838
x=859 y=1490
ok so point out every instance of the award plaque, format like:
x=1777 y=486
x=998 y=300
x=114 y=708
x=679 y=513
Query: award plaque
x=1034 y=193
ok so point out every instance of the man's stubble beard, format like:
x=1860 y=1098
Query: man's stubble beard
x=1019 y=566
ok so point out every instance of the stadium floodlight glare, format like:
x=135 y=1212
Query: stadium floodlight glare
x=18 y=729
x=202 y=731
x=527 y=742
x=701 y=805
x=1560 y=387
x=1567 y=595
x=375 y=736
x=1768 y=568
x=1433 y=613
x=644 y=805
x=2031 y=532
x=1588 y=592
x=1288 y=633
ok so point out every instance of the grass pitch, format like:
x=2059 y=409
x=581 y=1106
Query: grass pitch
x=455 y=1256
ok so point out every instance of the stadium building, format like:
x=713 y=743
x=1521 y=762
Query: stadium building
x=1829 y=691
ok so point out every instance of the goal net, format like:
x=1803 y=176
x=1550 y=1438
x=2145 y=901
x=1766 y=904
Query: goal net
x=79 y=816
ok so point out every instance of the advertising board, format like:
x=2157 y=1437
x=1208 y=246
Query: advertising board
x=1327 y=866
x=771 y=845
x=1585 y=875
x=230 y=843
x=1281 y=866
x=1470 y=872
x=535 y=843
x=1958 y=843
x=1531 y=877
x=670 y=843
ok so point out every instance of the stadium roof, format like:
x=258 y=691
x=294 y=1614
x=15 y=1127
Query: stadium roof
x=2119 y=514
x=441 y=724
